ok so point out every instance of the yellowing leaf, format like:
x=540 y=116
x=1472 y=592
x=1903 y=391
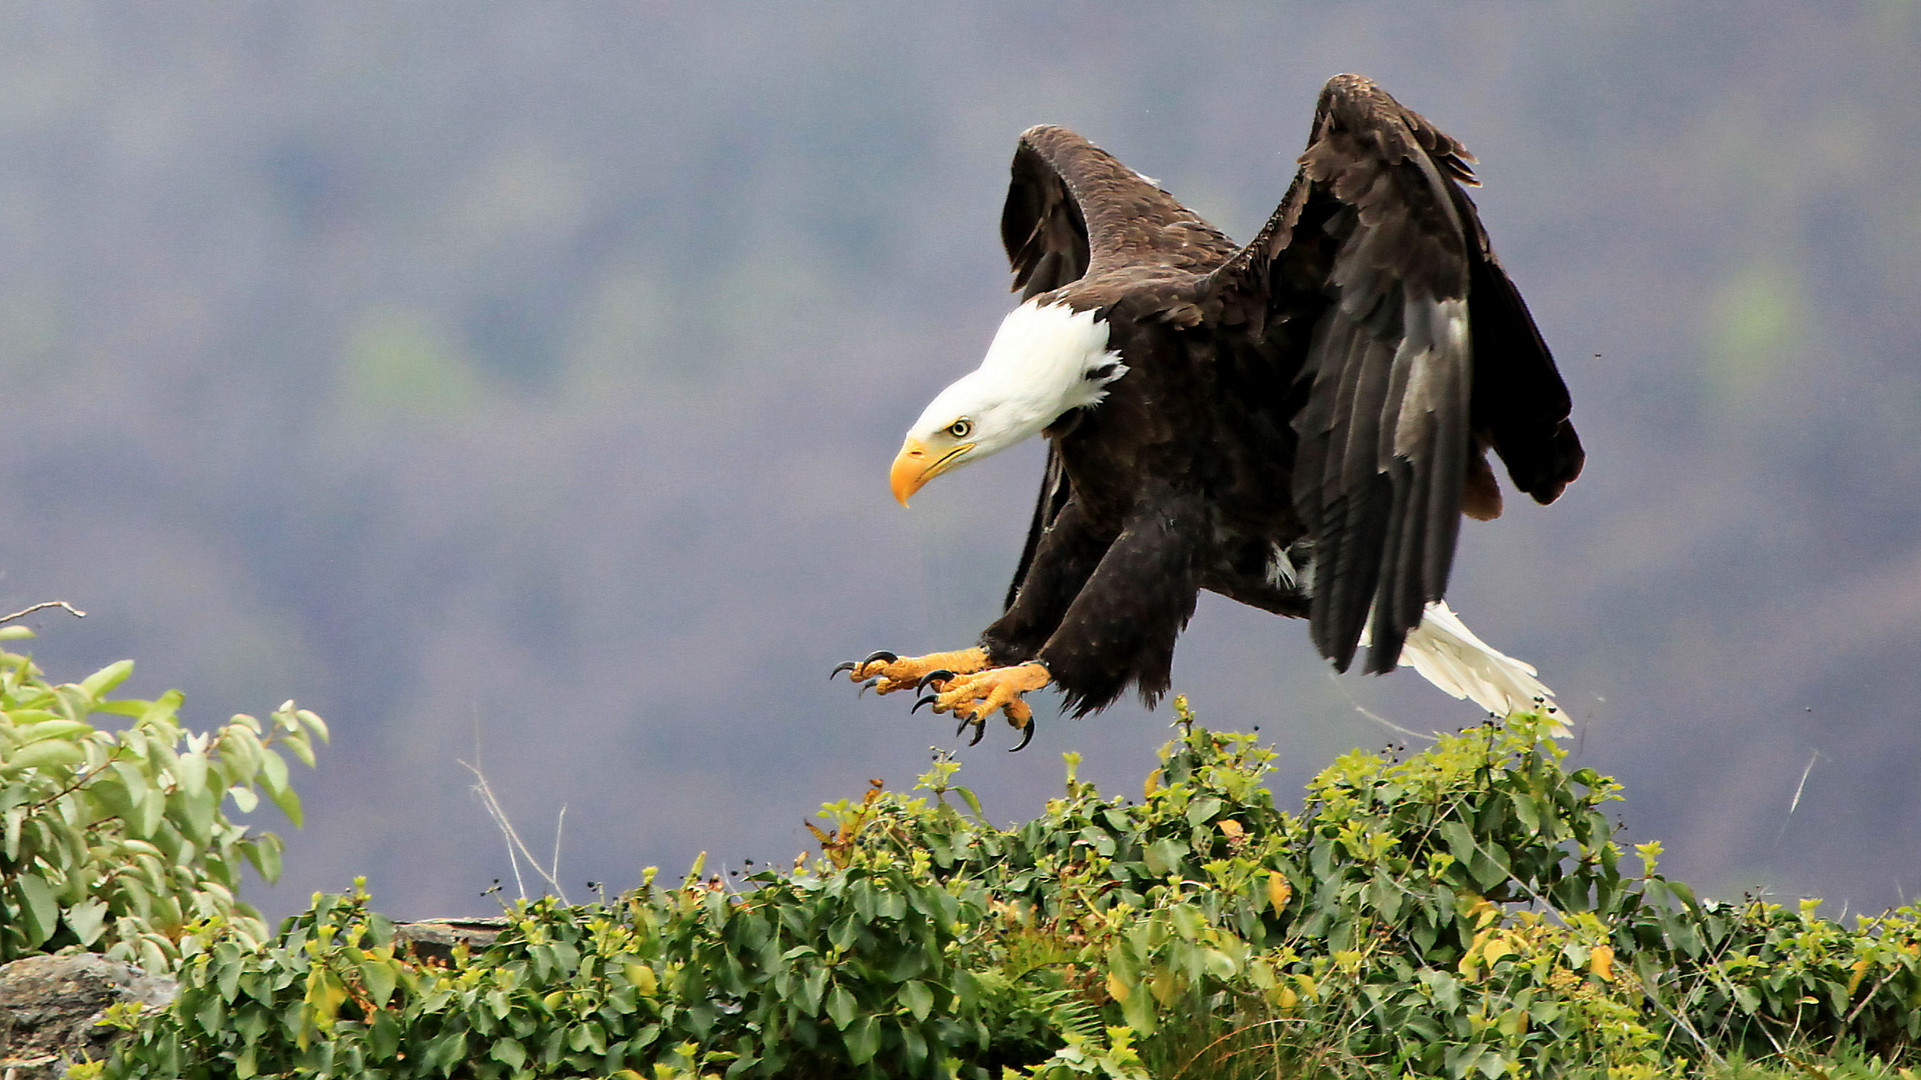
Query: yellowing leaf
x=1482 y=911
x=1278 y=890
x=1164 y=985
x=1601 y=962
x=1861 y=967
x=642 y=976
x=1514 y=1022
x=1117 y=989
x=1470 y=964
x=1151 y=785
x=325 y=993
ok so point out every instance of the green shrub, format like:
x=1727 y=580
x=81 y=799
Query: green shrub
x=1459 y=913
x=116 y=841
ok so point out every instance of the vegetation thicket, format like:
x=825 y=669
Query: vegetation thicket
x=117 y=841
x=1458 y=912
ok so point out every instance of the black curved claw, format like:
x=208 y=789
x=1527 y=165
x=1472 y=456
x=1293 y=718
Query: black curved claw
x=880 y=654
x=1027 y=736
x=929 y=699
x=980 y=729
x=866 y=686
x=845 y=665
x=937 y=675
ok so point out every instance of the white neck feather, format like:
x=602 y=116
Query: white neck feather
x=1044 y=361
x=1050 y=352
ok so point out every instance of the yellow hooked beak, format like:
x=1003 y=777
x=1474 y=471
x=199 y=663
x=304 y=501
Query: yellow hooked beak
x=915 y=465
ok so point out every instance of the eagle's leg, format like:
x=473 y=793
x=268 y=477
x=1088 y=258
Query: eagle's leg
x=974 y=698
x=890 y=673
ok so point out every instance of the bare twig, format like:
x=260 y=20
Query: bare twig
x=74 y=611
x=553 y=865
x=1802 y=786
x=1376 y=717
x=1795 y=803
x=549 y=874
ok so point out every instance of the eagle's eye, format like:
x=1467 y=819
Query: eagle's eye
x=961 y=428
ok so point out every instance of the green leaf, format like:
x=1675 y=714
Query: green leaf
x=914 y=1048
x=510 y=1053
x=162 y=710
x=1202 y=810
x=273 y=773
x=273 y=777
x=313 y=723
x=87 y=920
x=840 y=1007
x=918 y=997
x=41 y=755
x=1460 y=842
x=863 y=1040
x=383 y=1035
x=226 y=979
x=240 y=752
x=1138 y=1011
x=812 y=986
x=212 y=1014
x=379 y=975
x=1164 y=856
x=297 y=742
x=100 y=682
x=973 y=803
x=195 y=804
x=48 y=729
x=39 y=908
x=190 y=770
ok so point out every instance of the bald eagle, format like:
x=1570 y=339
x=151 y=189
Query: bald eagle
x=1298 y=424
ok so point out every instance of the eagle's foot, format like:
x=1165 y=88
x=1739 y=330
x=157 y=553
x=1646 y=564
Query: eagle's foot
x=886 y=673
x=974 y=698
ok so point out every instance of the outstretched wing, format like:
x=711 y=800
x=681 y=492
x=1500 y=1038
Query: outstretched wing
x=1073 y=209
x=1418 y=353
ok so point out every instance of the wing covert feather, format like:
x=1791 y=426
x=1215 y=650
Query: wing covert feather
x=1073 y=210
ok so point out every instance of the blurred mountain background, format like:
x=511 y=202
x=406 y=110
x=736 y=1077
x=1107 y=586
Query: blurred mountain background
x=515 y=385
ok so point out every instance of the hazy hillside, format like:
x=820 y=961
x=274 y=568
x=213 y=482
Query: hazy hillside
x=515 y=383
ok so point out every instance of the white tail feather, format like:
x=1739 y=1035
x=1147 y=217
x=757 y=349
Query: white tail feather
x=1450 y=656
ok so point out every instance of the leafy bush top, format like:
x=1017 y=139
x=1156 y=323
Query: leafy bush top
x=1459 y=912
x=117 y=841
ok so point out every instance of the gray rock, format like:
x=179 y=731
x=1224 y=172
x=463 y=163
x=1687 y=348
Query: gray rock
x=50 y=1005
x=434 y=939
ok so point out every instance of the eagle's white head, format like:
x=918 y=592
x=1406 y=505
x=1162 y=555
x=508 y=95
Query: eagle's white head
x=1045 y=360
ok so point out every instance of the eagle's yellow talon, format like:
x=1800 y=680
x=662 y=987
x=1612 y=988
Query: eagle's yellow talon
x=977 y=697
x=960 y=682
x=891 y=673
